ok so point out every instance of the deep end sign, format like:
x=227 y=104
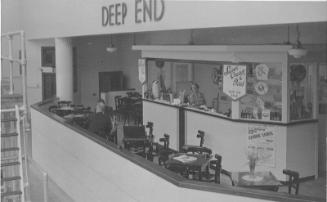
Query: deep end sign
x=143 y=11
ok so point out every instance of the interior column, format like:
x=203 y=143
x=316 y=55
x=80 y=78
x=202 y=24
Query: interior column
x=64 y=68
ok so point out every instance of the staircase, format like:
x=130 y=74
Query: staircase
x=13 y=156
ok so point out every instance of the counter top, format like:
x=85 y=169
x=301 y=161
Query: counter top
x=222 y=116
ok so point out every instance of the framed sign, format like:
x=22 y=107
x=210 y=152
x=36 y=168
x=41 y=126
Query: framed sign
x=48 y=58
x=234 y=81
x=142 y=74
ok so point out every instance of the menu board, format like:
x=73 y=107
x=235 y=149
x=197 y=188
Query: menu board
x=142 y=76
x=261 y=139
x=234 y=81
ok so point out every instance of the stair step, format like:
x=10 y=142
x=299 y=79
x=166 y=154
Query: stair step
x=8 y=120
x=11 y=193
x=7 y=158
x=9 y=134
x=7 y=179
x=10 y=149
x=10 y=164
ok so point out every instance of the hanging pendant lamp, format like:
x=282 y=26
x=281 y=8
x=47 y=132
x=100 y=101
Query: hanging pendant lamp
x=297 y=51
x=111 y=48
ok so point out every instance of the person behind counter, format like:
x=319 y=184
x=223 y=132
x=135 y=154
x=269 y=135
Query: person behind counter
x=196 y=98
x=100 y=123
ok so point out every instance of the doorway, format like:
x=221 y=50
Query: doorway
x=110 y=81
x=48 y=85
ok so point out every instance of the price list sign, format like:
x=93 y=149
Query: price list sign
x=234 y=81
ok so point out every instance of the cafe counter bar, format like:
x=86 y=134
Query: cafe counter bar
x=274 y=114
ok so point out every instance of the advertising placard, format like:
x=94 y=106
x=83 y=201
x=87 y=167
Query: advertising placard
x=142 y=75
x=234 y=81
x=261 y=139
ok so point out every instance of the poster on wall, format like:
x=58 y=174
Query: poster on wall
x=262 y=140
x=234 y=81
x=261 y=72
x=142 y=76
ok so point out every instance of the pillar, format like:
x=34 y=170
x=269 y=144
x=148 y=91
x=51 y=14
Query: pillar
x=64 y=68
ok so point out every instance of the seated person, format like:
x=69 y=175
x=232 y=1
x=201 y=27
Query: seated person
x=196 y=98
x=100 y=123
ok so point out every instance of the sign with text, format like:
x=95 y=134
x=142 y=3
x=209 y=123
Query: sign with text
x=142 y=74
x=144 y=11
x=261 y=139
x=234 y=81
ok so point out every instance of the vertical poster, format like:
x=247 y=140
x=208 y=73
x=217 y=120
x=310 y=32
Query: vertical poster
x=142 y=75
x=234 y=81
x=262 y=140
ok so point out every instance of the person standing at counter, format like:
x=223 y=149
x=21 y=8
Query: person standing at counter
x=100 y=123
x=196 y=98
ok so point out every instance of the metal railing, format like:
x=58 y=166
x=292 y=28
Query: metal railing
x=21 y=61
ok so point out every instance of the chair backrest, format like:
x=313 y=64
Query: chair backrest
x=201 y=136
x=117 y=101
x=293 y=180
x=165 y=141
x=134 y=132
x=150 y=126
x=216 y=166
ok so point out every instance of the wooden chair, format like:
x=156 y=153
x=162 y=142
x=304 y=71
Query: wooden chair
x=293 y=180
x=151 y=151
x=198 y=149
x=164 y=152
x=216 y=166
x=135 y=139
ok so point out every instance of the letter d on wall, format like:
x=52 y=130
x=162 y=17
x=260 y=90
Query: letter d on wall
x=105 y=15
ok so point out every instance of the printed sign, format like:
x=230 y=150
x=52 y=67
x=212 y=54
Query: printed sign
x=142 y=75
x=116 y=14
x=261 y=88
x=234 y=81
x=261 y=139
x=262 y=72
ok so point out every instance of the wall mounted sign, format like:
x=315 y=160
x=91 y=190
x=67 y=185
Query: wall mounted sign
x=261 y=139
x=261 y=88
x=261 y=72
x=143 y=12
x=234 y=81
x=142 y=72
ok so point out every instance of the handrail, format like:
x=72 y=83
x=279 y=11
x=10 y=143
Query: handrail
x=22 y=108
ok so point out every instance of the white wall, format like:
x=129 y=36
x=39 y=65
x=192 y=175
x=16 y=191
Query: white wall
x=85 y=16
x=302 y=148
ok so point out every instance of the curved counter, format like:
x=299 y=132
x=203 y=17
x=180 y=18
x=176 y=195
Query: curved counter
x=90 y=170
x=291 y=145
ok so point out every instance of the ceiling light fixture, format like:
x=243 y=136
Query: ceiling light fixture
x=297 y=51
x=111 y=48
